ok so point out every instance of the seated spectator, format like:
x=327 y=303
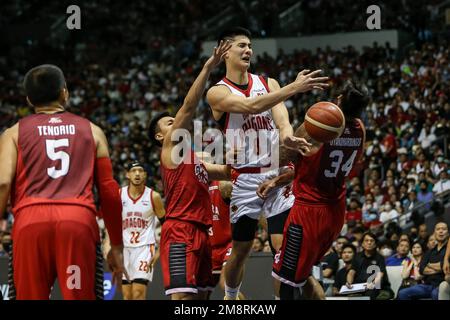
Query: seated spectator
x=354 y=212
x=410 y=273
x=398 y=259
x=431 y=242
x=348 y=252
x=363 y=267
x=422 y=235
x=5 y=243
x=330 y=264
x=388 y=213
x=377 y=195
x=411 y=202
x=385 y=249
x=406 y=237
x=425 y=196
x=439 y=166
x=443 y=183
x=369 y=211
x=430 y=268
x=339 y=244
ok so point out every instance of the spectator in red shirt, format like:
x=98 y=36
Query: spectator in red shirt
x=354 y=212
x=390 y=144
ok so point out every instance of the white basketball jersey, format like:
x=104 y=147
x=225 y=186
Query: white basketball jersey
x=257 y=133
x=138 y=218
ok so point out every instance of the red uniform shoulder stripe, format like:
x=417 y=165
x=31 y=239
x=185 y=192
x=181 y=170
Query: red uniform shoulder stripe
x=264 y=83
x=245 y=92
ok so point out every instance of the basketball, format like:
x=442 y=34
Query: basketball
x=324 y=121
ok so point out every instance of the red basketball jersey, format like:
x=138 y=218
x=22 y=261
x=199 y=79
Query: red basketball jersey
x=55 y=163
x=186 y=191
x=221 y=227
x=320 y=178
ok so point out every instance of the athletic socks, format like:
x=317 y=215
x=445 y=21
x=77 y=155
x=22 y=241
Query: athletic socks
x=232 y=293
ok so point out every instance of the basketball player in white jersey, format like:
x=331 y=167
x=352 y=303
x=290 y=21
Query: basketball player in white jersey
x=140 y=207
x=244 y=102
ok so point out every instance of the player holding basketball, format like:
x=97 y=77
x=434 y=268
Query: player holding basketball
x=185 y=247
x=245 y=103
x=317 y=216
x=50 y=161
x=140 y=206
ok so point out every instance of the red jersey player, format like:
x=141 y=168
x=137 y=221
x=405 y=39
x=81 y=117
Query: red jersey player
x=220 y=232
x=48 y=165
x=185 y=250
x=318 y=213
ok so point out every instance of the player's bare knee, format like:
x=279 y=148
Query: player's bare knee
x=183 y=296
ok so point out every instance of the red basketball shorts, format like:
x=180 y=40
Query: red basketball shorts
x=56 y=241
x=185 y=257
x=308 y=233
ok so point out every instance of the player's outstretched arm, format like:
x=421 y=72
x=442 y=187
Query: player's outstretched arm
x=217 y=172
x=160 y=212
x=225 y=188
x=186 y=113
x=110 y=203
x=268 y=186
x=8 y=163
x=221 y=99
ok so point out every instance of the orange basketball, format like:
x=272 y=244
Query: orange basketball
x=324 y=121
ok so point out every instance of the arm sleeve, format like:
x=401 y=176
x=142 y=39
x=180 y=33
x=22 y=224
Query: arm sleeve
x=110 y=202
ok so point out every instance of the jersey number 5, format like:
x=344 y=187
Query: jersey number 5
x=50 y=146
x=338 y=156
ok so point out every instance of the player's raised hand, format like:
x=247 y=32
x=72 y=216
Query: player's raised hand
x=307 y=81
x=218 y=54
x=297 y=144
x=116 y=265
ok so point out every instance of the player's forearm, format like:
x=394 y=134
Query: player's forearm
x=435 y=266
x=268 y=101
x=110 y=201
x=218 y=172
x=194 y=95
x=428 y=271
x=285 y=131
x=5 y=188
x=351 y=276
x=447 y=252
x=284 y=179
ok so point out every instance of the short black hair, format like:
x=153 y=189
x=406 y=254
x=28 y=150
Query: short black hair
x=43 y=84
x=369 y=234
x=349 y=245
x=355 y=98
x=153 y=127
x=233 y=32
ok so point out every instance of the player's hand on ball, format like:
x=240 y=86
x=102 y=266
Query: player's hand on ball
x=218 y=54
x=307 y=81
x=297 y=144
x=116 y=265
x=265 y=188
